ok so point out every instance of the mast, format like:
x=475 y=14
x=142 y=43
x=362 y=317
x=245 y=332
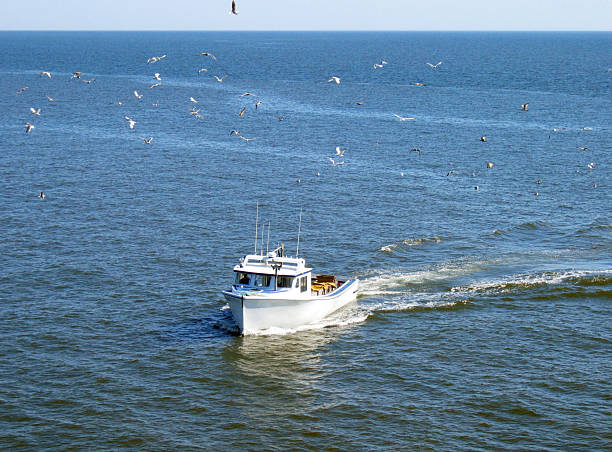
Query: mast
x=256 y=221
x=297 y=251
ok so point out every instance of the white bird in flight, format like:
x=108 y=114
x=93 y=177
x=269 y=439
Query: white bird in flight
x=139 y=96
x=193 y=100
x=131 y=121
x=29 y=127
x=220 y=79
x=207 y=54
x=155 y=59
x=48 y=74
x=334 y=79
x=155 y=85
x=340 y=152
x=147 y=140
x=157 y=77
x=334 y=163
x=202 y=70
x=434 y=66
x=35 y=111
x=401 y=118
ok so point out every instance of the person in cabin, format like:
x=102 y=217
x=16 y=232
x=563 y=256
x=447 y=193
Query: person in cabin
x=244 y=279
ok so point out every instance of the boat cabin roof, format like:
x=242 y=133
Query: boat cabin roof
x=271 y=263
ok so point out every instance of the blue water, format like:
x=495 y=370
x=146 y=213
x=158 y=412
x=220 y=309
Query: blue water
x=484 y=316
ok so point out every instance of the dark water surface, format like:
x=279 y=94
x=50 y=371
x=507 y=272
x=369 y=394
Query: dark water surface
x=484 y=320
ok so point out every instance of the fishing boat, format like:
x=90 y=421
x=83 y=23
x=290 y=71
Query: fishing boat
x=273 y=290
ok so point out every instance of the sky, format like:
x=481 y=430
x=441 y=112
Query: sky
x=520 y=15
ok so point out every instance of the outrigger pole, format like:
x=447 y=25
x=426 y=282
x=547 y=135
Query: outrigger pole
x=297 y=251
x=256 y=221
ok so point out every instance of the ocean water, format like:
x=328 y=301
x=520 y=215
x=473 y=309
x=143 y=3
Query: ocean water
x=484 y=318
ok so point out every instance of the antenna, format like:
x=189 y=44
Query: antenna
x=263 y=229
x=256 y=221
x=268 y=244
x=297 y=251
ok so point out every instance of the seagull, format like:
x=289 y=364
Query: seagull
x=234 y=132
x=193 y=100
x=154 y=85
x=524 y=107
x=118 y=103
x=207 y=54
x=401 y=118
x=453 y=171
x=220 y=79
x=247 y=139
x=21 y=90
x=248 y=94
x=280 y=118
x=340 y=152
x=155 y=59
x=490 y=164
x=419 y=84
x=42 y=195
x=29 y=127
x=434 y=66
x=48 y=74
x=334 y=79
x=234 y=10
x=241 y=114
x=139 y=96
x=89 y=82
x=75 y=75
x=257 y=104
x=157 y=77
x=202 y=70
x=417 y=150
x=359 y=102
x=35 y=111
x=51 y=99
x=194 y=111
x=376 y=65
x=583 y=148
x=591 y=166
x=147 y=140
x=131 y=121
x=483 y=138
x=334 y=163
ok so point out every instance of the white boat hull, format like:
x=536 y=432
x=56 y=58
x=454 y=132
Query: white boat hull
x=254 y=313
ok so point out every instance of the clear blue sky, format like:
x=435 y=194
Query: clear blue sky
x=306 y=15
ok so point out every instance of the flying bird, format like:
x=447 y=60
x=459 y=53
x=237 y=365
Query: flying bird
x=35 y=111
x=247 y=139
x=234 y=10
x=89 y=82
x=241 y=114
x=248 y=94
x=139 y=96
x=193 y=100
x=434 y=66
x=154 y=85
x=490 y=164
x=334 y=79
x=340 y=152
x=417 y=150
x=42 y=195
x=334 y=163
x=21 y=90
x=29 y=127
x=207 y=54
x=220 y=79
x=525 y=107
x=131 y=121
x=75 y=75
x=155 y=59
x=51 y=99
x=483 y=139
x=234 y=132
x=48 y=74
x=401 y=118
x=147 y=140
x=453 y=171
x=202 y=70
x=257 y=104
x=157 y=77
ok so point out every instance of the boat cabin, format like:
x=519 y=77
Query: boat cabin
x=274 y=272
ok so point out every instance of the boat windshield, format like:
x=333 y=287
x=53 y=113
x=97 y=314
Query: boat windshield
x=285 y=281
x=253 y=279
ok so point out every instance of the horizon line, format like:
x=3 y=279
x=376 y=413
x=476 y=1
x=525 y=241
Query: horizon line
x=317 y=30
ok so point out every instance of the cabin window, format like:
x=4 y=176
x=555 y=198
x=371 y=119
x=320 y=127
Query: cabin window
x=262 y=280
x=285 y=281
x=303 y=284
x=242 y=278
